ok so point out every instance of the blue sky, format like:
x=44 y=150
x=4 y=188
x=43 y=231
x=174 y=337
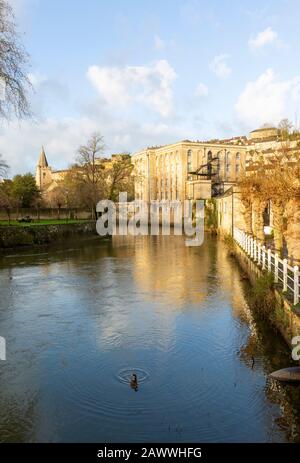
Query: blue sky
x=152 y=72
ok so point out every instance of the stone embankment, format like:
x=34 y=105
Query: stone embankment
x=284 y=316
x=15 y=236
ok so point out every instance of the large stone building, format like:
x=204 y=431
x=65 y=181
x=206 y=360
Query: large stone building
x=188 y=170
x=201 y=170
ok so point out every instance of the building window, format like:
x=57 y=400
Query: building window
x=238 y=156
x=189 y=161
x=237 y=168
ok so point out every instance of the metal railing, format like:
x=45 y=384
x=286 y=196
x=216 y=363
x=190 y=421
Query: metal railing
x=284 y=274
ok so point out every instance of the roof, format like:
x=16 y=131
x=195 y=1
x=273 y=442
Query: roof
x=263 y=129
x=43 y=160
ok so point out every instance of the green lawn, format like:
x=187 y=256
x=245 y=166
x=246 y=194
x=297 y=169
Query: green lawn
x=41 y=222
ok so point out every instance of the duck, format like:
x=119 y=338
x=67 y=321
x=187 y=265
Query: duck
x=134 y=382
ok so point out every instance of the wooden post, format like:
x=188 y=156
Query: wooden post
x=276 y=268
x=255 y=250
x=259 y=253
x=269 y=260
x=264 y=257
x=285 y=274
x=296 y=284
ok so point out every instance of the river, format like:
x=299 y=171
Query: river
x=78 y=319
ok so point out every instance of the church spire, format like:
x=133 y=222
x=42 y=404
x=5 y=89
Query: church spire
x=43 y=160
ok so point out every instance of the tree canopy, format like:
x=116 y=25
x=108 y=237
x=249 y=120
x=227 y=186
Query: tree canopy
x=24 y=190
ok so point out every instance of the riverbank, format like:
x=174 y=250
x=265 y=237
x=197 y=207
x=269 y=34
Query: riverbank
x=22 y=235
x=283 y=316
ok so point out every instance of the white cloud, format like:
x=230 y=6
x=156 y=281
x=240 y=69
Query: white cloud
x=47 y=94
x=268 y=99
x=37 y=78
x=266 y=37
x=220 y=66
x=20 y=142
x=60 y=138
x=201 y=90
x=159 y=43
x=148 y=85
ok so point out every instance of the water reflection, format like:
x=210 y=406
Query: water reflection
x=80 y=321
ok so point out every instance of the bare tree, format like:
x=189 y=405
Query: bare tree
x=119 y=177
x=57 y=198
x=3 y=167
x=13 y=62
x=90 y=170
x=285 y=128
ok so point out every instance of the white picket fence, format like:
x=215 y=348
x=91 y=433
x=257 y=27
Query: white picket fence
x=284 y=274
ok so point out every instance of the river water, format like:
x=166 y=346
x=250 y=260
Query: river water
x=79 y=319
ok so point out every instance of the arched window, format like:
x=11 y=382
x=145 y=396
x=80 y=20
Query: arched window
x=189 y=161
x=209 y=164
x=227 y=166
x=219 y=154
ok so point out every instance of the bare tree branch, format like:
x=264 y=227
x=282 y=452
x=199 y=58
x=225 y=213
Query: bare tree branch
x=13 y=63
x=3 y=167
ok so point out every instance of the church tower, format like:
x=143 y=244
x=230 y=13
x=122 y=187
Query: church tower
x=43 y=174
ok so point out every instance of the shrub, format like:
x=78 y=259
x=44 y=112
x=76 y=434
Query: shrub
x=262 y=296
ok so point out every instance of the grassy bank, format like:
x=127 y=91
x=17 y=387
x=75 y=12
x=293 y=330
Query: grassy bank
x=43 y=232
x=6 y=223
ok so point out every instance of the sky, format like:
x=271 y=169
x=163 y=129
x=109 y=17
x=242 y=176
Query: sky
x=146 y=73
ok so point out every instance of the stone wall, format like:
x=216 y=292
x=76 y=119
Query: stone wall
x=284 y=318
x=15 y=236
x=230 y=211
x=46 y=213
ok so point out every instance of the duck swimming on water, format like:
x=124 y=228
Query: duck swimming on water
x=134 y=382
